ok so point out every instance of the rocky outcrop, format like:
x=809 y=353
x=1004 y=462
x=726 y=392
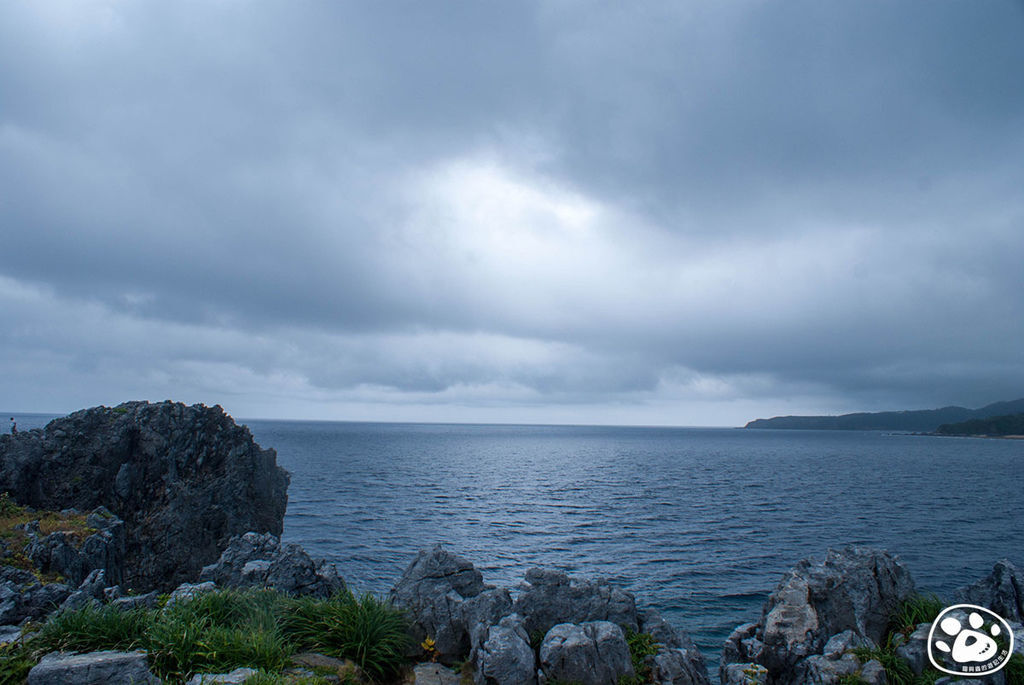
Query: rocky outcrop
x=552 y=597
x=94 y=668
x=590 y=653
x=678 y=661
x=445 y=596
x=566 y=629
x=23 y=597
x=1002 y=591
x=62 y=553
x=255 y=560
x=848 y=598
x=184 y=480
x=504 y=656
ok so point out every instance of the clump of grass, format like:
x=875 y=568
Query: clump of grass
x=640 y=645
x=913 y=611
x=910 y=613
x=218 y=631
x=897 y=671
x=93 y=628
x=367 y=630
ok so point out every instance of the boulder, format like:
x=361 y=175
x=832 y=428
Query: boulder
x=914 y=649
x=1002 y=591
x=237 y=676
x=260 y=560
x=873 y=673
x=744 y=674
x=171 y=472
x=589 y=653
x=856 y=589
x=504 y=656
x=94 y=668
x=551 y=597
x=188 y=591
x=432 y=590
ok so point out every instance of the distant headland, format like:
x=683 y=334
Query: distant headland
x=914 y=421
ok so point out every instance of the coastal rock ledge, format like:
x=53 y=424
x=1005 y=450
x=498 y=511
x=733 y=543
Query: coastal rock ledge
x=184 y=479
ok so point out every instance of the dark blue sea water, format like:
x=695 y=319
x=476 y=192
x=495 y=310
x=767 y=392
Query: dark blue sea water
x=700 y=523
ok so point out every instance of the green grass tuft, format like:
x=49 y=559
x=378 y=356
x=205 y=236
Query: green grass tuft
x=367 y=630
x=640 y=645
x=913 y=611
x=94 y=628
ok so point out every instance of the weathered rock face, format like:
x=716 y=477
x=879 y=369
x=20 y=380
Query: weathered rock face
x=183 y=479
x=553 y=597
x=446 y=599
x=23 y=597
x=678 y=661
x=433 y=590
x=255 y=560
x=60 y=553
x=94 y=668
x=856 y=590
x=504 y=656
x=591 y=653
x=1002 y=591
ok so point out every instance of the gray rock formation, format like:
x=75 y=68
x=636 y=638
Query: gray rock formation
x=914 y=650
x=433 y=591
x=873 y=673
x=504 y=656
x=856 y=589
x=91 y=590
x=553 y=597
x=590 y=653
x=260 y=560
x=175 y=474
x=678 y=661
x=744 y=674
x=1002 y=591
x=23 y=597
x=446 y=599
x=235 y=677
x=187 y=591
x=94 y=668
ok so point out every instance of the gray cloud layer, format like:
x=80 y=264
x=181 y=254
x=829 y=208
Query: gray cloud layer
x=659 y=213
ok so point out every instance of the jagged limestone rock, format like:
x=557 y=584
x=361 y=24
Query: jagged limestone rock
x=183 y=479
x=589 y=653
x=260 y=560
x=93 y=668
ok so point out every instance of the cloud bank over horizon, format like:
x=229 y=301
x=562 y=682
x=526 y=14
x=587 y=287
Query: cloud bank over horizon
x=557 y=212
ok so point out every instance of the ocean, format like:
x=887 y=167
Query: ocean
x=700 y=523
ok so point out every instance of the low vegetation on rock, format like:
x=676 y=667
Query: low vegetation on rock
x=221 y=630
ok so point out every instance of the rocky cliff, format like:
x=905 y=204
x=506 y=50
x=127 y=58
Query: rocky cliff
x=184 y=479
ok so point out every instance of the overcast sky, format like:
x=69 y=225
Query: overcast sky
x=681 y=213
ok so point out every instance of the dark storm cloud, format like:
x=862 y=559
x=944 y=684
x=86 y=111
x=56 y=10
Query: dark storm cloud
x=513 y=205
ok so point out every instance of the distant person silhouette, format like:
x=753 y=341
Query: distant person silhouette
x=14 y=426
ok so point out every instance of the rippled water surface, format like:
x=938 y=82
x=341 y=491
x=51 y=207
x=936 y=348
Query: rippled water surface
x=700 y=523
